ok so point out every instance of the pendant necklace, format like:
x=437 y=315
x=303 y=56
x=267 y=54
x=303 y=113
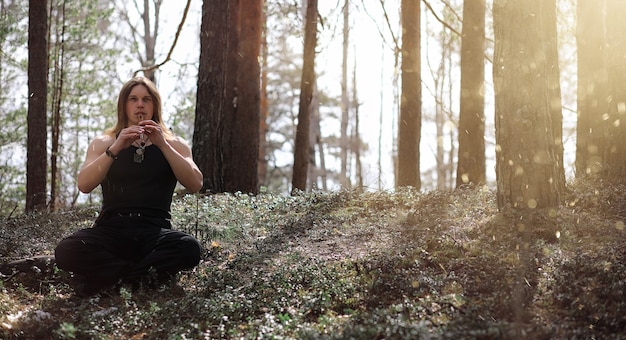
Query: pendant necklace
x=138 y=157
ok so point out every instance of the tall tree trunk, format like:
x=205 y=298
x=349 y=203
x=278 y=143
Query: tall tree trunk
x=440 y=120
x=357 y=134
x=315 y=138
x=263 y=147
x=527 y=162
x=301 y=152
x=150 y=32
x=471 y=166
x=411 y=99
x=36 y=162
x=150 y=36
x=320 y=148
x=592 y=104
x=616 y=147
x=241 y=136
x=210 y=104
x=226 y=130
x=317 y=177
x=381 y=115
x=553 y=84
x=57 y=92
x=345 y=103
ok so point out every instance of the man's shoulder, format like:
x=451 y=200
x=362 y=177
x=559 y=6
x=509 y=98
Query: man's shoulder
x=103 y=139
x=179 y=141
x=180 y=145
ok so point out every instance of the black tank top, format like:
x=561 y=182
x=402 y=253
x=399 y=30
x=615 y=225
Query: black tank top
x=145 y=187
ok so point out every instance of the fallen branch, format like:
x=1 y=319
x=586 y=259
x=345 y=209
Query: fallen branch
x=35 y=264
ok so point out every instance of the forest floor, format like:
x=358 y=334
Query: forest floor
x=346 y=265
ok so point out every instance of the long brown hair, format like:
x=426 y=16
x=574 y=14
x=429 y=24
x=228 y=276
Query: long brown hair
x=122 y=118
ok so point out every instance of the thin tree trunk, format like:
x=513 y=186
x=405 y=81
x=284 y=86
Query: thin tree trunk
x=380 y=121
x=301 y=152
x=357 y=133
x=314 y=139
x=150 y=36
x=263 y=147
x=56 y=105
x=439 y=122
x=345 y=104
x=322 y=167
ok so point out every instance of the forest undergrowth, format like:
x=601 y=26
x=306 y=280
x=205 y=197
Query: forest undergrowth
x=346 y=265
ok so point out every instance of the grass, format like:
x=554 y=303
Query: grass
x=401 y=265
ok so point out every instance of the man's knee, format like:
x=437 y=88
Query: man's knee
x=192 y=251
x=64 y=253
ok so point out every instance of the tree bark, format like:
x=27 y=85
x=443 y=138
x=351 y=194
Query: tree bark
x=616 y=69
x=264 y=115
x=241 y=136
x=36 y=163
x=210 y=105
x=471 y=166
x=57 y=94
x=226 y=130
x=410 y=103
x=301 y=152
x=592 y=104
x=315 y=137
x=150 y=37
x=553 y=84
x=527 y=169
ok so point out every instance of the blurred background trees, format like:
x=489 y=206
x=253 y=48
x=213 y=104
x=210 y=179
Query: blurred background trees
x=356 y=137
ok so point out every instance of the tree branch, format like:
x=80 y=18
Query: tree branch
x=430 y=8
x=169 y=55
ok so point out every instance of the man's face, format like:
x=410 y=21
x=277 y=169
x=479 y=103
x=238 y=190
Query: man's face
x=139 y=105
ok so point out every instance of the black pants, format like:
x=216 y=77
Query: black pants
x=127 y=248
